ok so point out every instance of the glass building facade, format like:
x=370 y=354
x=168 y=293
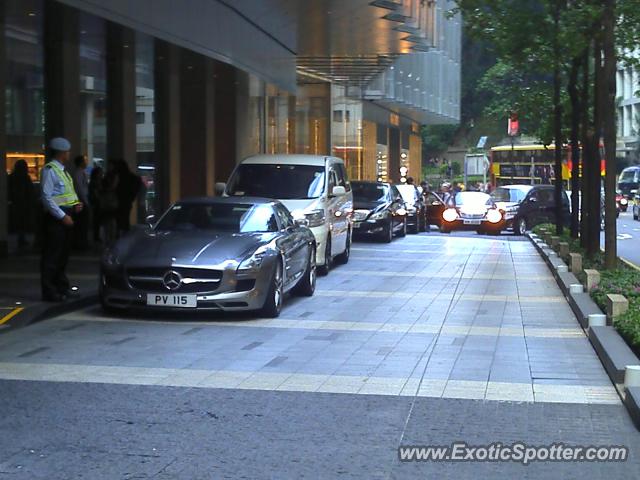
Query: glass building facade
x=182 y=102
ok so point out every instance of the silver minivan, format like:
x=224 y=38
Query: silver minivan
x=312 y=187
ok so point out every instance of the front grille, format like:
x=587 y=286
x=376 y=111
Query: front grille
x=194 y=280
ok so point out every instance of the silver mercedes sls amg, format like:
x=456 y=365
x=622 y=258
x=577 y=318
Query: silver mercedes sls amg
x=228 y=254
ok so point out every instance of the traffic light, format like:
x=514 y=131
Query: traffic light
x=513 y=127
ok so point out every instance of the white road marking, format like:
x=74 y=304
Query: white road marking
x=297 y=382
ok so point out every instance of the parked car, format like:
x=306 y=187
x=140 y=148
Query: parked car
x=379 y=211
x=473 y=211
x=525 y=206
x=629 y=180
x=314 y=187
x=636 y=205
x=228 y=254
x=415 y=206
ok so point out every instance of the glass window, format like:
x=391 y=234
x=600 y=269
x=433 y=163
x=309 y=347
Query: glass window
x=468 y=198
x=24 y=100
x=508 y=195
x=370 y=192
x=232 y=218
x=145 y=130
x=277 y=181
x=93 y=88
x=337 y=116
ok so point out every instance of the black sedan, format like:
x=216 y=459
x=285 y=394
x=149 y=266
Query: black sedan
x=378 y=211
x=473 y=211
x=226 y=254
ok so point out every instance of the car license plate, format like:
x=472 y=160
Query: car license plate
x=174 y=301
x=472 y=222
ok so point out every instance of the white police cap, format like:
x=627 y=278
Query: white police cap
x=60 y=144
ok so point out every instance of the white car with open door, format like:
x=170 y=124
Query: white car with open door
x=314 y=187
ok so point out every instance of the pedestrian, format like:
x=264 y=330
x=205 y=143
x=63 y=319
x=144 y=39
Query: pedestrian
x=410 y=181
x=21 y=195
x=95 y=186
x=61 y=205
x=108 y=201
x=447 y=196
x=81 y=185
x=127 y=189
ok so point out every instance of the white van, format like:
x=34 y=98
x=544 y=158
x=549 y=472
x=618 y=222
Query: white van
x=314 y=187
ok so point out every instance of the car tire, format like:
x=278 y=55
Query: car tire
x=343 y=258
x=520 y=226
x=387 y=233
x=403 y=230
x=444 y=229
x=307 y=284
x=324 y=268
x=273 y=303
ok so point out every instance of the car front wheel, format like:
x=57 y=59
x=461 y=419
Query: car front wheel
x=344 y=256
x=326 y=266
x=307 y=284
x=273 y=303
x=521 y=226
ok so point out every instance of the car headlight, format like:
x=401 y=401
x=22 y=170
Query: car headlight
x=316 y=218
x=450 y=215
x=110 y=258
x=380 y=215
x=494 y=216
x=411 y=210
x=623 y=201
x=401 y=212
x=253 y=262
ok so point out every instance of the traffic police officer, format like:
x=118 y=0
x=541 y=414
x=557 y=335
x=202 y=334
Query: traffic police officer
x=60 y=203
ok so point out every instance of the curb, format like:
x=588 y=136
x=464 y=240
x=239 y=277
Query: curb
x=612 y=350
x=43 y=311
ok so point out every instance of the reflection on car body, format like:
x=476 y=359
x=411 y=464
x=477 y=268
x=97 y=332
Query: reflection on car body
x=225 y=254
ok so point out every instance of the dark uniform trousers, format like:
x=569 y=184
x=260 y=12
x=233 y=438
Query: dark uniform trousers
x=56 y=243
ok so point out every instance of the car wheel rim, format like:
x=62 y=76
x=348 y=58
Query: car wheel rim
x=522 y=226
x=312 y=270
x=277 y=294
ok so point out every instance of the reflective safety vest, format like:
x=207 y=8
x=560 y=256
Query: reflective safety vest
x=69 y=197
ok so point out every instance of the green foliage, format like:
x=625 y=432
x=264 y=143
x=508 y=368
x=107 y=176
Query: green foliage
x=436 y=139
x=624 y=281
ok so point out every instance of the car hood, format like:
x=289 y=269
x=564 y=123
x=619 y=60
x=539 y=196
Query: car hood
x=188 y=248
x=363 y=205
x=298 y=205
x=473 y=209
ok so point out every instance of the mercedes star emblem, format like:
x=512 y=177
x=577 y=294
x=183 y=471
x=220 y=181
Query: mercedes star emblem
x=172 y=280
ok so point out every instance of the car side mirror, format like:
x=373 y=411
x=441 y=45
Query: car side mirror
x=220 y=188
x=338 y=190
x=150 y=220
x=301 y=222
x=533 y=200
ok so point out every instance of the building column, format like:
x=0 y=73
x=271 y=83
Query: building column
x=393 y=171
x=3 y=141
x=167 y=122
x=197 y=125
x=121 y=95
x=62 y=74
x=226 y=154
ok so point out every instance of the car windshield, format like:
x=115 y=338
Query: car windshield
x=503 y=194
x=277 y=181
x=408 y=193
x=369 y=192
x=472 y=198
x=628 y=176
x=231 y=218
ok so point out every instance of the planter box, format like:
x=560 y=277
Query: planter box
x=575 y=263
x=616 y=305
x=592 y=279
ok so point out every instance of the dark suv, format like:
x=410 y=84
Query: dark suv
x=526 y=206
